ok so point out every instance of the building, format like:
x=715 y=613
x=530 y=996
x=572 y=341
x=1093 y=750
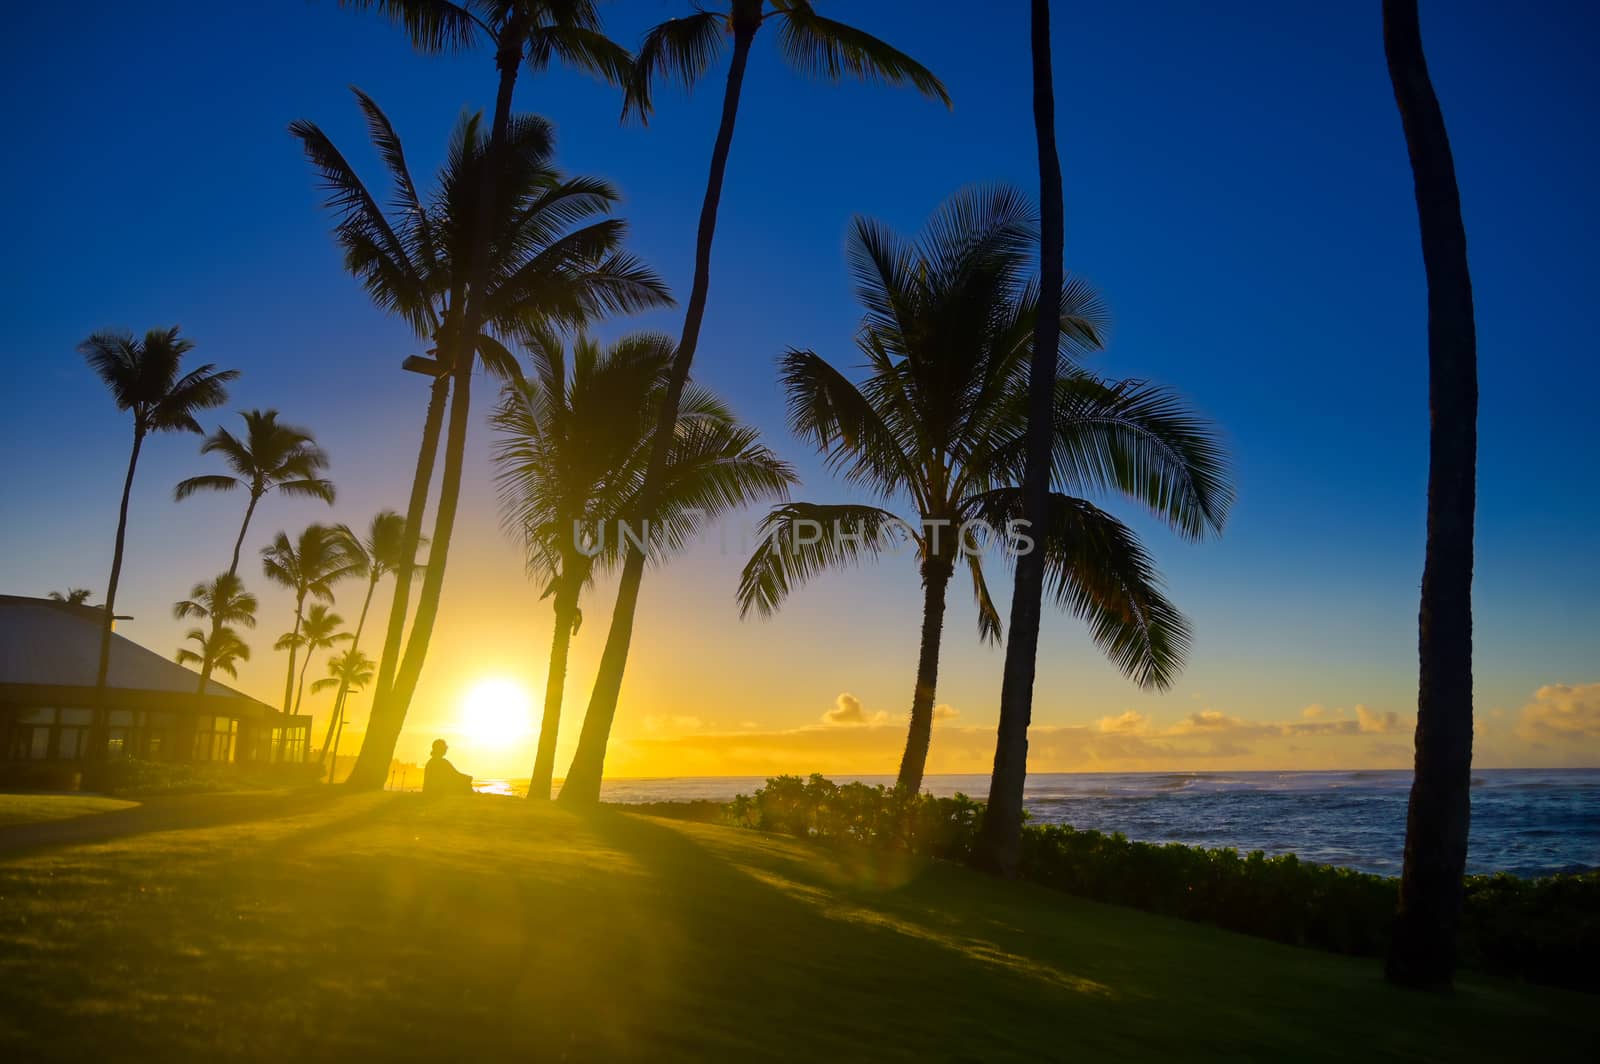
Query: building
x=153 y=707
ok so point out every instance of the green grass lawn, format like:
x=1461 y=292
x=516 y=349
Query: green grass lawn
x=34 y=808
x=384 y=927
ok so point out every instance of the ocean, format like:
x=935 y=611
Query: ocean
x=1528 y=822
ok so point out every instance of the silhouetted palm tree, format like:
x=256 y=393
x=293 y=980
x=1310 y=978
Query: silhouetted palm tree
x=999 y=848
x=573 y=446
x=550 y=263
x=382 y=552
x=220 y=649
x=318 y=631
x=351 y=671
x=309 y=566
x=144 y=378
x=531 y=32
x=941 y=421
x=271 y=455
x=223 y=602
x=73 y=596
x=683 y=49
x=1422 y=948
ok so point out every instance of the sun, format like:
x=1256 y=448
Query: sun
x=497 y=712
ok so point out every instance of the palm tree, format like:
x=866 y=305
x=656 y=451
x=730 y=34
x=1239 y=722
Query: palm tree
x=1422 y=948
x=351 y=671
x=319 y=630
x=309 y=566
x=144 y=378
x=573 y=444
x=683 y=50
x=999 y=848
x=73 y=596
x=220 y=650
x=382 y=552
x=531 y=32
x=941 y=421
x=552 y=262
x=270 y=455
x=224 y=602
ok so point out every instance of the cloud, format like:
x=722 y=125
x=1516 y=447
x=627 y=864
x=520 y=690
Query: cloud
x=1130 y=722
x=1561 y=713
x=846 y=710
x=1313 y=712
x=945 y=712
x=1209 y=721
x=1368 y=721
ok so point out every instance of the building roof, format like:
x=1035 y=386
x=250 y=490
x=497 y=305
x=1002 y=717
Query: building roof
x=50 y=644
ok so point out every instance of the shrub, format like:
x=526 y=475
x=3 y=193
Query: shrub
x=1546 y=930
x=131 y=776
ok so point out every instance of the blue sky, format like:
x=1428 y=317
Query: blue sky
x=1236 y=185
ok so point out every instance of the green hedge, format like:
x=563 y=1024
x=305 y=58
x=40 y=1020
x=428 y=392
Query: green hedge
x=1546 y=930
x=130 y=776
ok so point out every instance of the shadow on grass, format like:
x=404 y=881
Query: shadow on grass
x=163 y=813
x=392 y=928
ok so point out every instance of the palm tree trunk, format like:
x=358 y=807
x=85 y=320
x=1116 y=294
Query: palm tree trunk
x=1422 y=948
x=300 y=686
x=370 y=772
x=233 y=570
x=544 y=762
x=333 y=762
x=344 y=681
x=288 y=683
x=103 y=669
x=935 y=580
x=238 y=544
x=1000 y=839
x=391 y=702
x=588 y=763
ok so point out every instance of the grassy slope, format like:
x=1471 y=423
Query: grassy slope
x=385 y=927
x=34 y=808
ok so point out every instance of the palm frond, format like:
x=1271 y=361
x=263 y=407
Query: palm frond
x=192 y=485
x=1096 y=569
x=681 y=50
x=799 y=540
x=433 y=25
x=827 y=48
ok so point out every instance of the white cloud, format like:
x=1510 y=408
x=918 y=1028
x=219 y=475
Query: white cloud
x=1561 y=712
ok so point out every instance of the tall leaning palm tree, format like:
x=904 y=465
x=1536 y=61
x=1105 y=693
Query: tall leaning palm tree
x=379 y=553
x=1000 y=842
x=1422 y=948
x=574 y=438
x=683 y=49
x=309 y=566
x=223 y=603
x=941 y=422
x=519 y=32
x=145 y=378
x=270 y=456
x=556 y=258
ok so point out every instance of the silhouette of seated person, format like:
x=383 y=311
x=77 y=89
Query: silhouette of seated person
x=440 y=776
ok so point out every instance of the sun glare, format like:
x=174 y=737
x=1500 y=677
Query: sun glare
x=497 y=712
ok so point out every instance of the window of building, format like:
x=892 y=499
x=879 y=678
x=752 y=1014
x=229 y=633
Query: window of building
x=214 y=738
